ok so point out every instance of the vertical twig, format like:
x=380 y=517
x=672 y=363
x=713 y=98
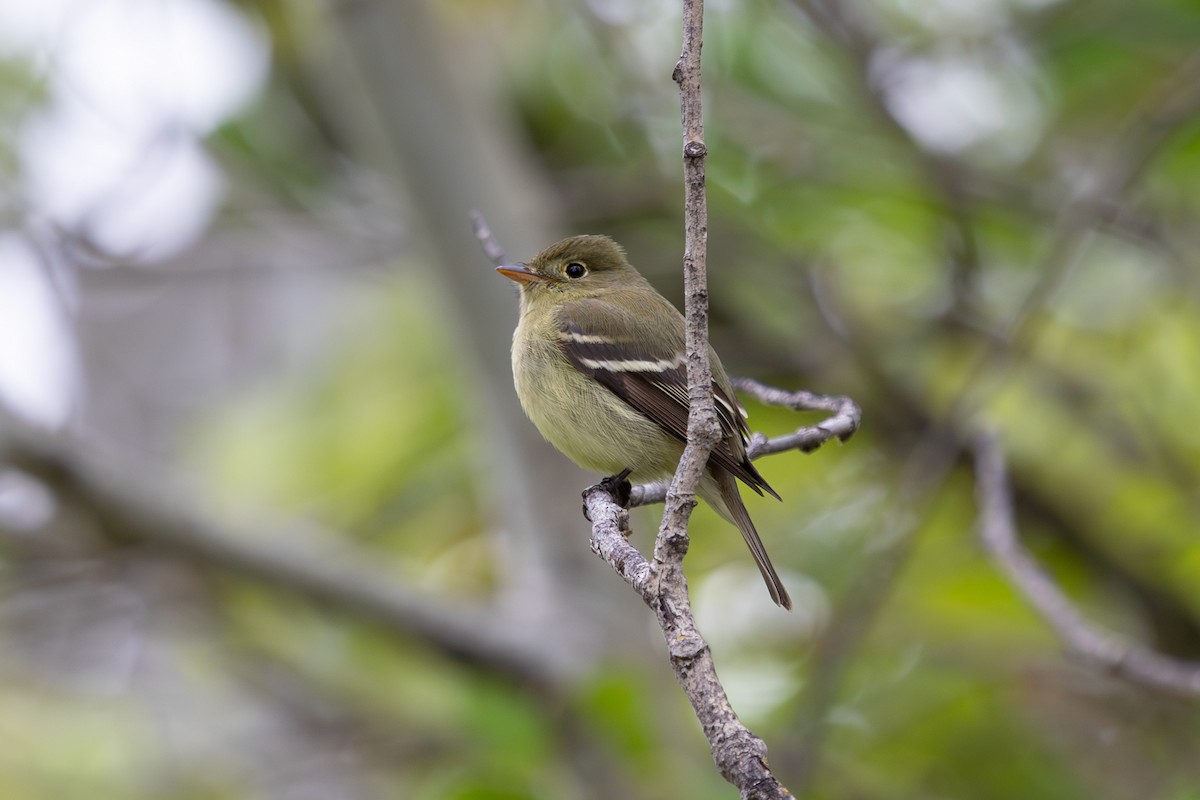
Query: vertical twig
x=738 y=753
x=703 y=429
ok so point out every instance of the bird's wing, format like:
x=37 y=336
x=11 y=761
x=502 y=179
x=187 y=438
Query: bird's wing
x=649 y=372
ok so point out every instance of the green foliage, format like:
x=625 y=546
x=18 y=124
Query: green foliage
x=367 y=448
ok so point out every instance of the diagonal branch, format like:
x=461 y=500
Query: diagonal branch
x=997 y=529
x=739 y=754
x=487 y=239
x=135 y=506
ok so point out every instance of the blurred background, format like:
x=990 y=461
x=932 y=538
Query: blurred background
x=272 y=524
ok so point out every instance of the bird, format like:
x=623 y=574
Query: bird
x=600 y=368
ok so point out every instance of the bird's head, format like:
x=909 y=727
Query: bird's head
x=580 y=266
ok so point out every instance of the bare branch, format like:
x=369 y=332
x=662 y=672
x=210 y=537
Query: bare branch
x=703 y=430
x=739 y=754
x=842 y=425
x=610 y=532
x=845 y=420
x=997 y=529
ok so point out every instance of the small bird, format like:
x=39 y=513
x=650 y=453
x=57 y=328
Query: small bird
x=599 y=362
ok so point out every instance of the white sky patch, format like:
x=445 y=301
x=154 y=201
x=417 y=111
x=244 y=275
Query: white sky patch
x=190 y=62
x=144 y=196
x=955 y=103
x=134 y=85
x=115 y=154
x=25 y=504
x=38 y=371
x=30 y=27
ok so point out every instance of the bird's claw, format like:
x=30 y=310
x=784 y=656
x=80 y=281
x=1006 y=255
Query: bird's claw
x=618 y=486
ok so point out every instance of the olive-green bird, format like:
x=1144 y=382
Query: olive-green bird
x=600 y=366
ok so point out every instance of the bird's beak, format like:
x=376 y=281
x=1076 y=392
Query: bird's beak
x=521 y=274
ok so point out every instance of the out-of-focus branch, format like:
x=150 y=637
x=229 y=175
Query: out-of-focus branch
x=997 y=530
x=422 y=114
x=1132 y=148
x=134 y=506
x=487 y=239
x=1130 y=151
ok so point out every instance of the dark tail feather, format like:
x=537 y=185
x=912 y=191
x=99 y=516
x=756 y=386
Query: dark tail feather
x=749 y=475
x=735 y=511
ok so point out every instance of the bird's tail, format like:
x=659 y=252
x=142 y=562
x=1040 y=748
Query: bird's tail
x=727 y=502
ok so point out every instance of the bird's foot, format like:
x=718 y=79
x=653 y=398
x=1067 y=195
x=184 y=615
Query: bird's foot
x=616 y=485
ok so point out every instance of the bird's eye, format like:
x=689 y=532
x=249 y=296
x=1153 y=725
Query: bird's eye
x=576 y=270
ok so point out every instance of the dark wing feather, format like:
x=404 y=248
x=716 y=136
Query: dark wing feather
x=652 y=379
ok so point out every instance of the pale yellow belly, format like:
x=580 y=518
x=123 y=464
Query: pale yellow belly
x=585 y=421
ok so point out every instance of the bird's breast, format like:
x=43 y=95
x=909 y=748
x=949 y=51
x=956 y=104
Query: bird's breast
x=581 y=418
